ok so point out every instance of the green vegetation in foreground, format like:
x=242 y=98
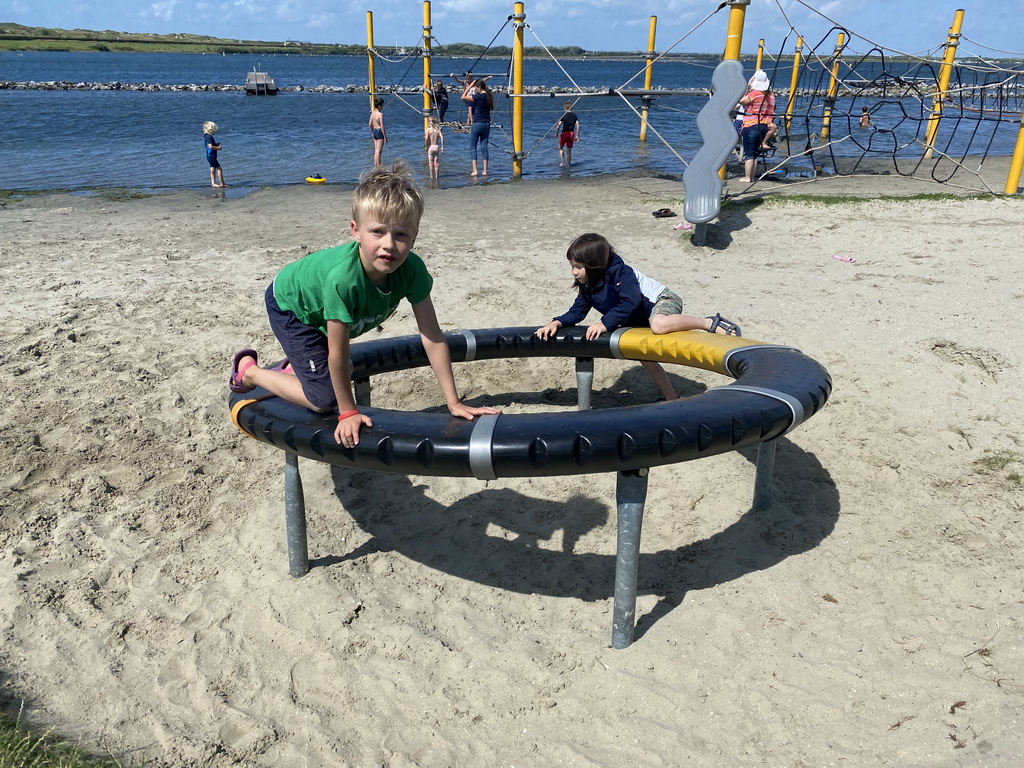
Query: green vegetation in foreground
x=20 y=748
x=18 y=194
x=864 y=198
x=996 y=461
x=121 y=194
x=114 y=194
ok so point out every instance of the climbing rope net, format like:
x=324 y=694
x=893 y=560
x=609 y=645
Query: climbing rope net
x=977 y=116
x=820 y=122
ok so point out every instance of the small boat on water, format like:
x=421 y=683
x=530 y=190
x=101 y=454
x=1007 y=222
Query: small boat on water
x=259 y=83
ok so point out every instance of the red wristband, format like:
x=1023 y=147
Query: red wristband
x=346 y=414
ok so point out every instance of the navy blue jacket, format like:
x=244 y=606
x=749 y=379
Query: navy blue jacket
x=618 y=298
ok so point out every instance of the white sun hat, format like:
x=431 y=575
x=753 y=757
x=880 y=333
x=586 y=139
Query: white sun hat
x=759 y=82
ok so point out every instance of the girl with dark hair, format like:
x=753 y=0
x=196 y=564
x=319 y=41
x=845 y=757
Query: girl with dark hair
x=626 y=297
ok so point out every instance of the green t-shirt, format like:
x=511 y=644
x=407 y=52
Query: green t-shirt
x=332 y=285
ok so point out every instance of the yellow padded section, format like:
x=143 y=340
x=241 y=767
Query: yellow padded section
x=236 y=410
x=697 y=349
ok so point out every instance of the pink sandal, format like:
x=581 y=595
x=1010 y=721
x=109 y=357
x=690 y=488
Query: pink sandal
x=235 y=381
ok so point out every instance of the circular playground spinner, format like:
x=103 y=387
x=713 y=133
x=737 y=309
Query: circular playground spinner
x=776 y=388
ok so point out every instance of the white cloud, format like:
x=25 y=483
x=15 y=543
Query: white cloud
x=163 y=10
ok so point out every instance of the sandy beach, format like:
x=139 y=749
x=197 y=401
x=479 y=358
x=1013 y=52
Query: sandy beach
x=872 y=616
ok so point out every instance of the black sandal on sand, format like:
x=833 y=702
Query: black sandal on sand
x=663 y=213
x=730 y=328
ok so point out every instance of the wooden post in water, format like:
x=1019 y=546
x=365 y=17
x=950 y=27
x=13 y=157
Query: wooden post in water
x=833 y=87
x=793 y=81
x=518 y=22
x=645 y=100
x=734 y=39
x=370 y=58
x=428 y=91
x=945 y=70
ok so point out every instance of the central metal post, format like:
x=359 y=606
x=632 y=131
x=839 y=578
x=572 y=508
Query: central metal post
x=584 y=381
x=363 y=389
x=630 y=495
x=295 y=517
x=763 y=476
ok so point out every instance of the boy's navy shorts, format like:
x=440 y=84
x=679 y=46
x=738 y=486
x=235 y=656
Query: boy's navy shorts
x=306 y=349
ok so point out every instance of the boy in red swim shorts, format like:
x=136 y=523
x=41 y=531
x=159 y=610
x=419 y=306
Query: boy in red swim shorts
x=568 y=130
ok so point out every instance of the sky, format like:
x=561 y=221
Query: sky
x=991 y=28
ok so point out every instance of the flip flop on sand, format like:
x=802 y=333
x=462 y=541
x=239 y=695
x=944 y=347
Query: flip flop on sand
x=235 y=380
x=683 y=225
x=663 y=213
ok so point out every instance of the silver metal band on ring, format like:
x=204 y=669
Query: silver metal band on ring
x=613 y=342
x=470 y=345
x=480 y=440
x=794 y=405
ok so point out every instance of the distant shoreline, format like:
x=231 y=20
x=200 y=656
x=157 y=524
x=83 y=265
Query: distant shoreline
x=16 y=37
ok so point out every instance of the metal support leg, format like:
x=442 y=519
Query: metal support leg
x=630 y=495
x=763 y=476
x=295 y=517
x=363 y=391
x=584 y=381
x=700 y=234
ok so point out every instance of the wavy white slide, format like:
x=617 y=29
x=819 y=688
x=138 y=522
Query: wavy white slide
x=701 y=180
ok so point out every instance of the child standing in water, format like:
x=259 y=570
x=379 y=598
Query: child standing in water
x=626 y=297
x=212 y=146
x=320 y=302
x=568 y=132
x=377 y=132
x=433 y=140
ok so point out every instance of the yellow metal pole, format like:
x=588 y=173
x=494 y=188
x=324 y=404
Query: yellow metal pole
x=519 y=22
x=760 y=53
x=945 y=70
x=734 y=39
x=645 y=100
x=734 y=35
x=793 y=81
x=370 y=58
x=833 y=87
x=427 y=90
x=1016 y=163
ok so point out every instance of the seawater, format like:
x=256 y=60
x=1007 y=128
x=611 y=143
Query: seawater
x=152 y=140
